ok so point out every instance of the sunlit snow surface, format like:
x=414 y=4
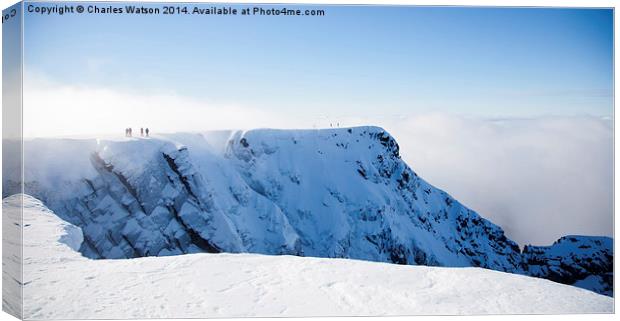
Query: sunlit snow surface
x=328 y=193
x=59 y=283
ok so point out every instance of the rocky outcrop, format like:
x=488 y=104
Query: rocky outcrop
x=584 y=261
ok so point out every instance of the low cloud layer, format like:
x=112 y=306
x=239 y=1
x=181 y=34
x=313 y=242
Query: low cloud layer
x=538 y=178
x=52 y=109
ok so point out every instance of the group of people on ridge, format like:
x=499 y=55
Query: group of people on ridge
x=129 y=132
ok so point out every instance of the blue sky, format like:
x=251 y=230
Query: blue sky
x=431 y=76
x=367 y=60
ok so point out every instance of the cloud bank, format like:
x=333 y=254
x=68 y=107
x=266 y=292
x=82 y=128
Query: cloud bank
x=538 y=178
x=52 y=109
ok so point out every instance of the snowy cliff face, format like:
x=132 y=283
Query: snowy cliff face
x=327 y=193
x=583 y=261
x=147 y=197
x=348 y=194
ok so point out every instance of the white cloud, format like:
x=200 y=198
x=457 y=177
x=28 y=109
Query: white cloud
x=538 y=178
x=52 y=109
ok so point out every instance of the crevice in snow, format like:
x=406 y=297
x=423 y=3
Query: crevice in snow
x=195 y=238
x=121 y=178
x=184 y=180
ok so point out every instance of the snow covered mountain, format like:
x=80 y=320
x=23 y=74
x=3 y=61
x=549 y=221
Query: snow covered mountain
x=59 y=283
x=583 y=261
x=337 y=193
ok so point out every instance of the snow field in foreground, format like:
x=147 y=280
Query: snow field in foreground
x=60 y=283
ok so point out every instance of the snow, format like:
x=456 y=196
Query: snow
x=61 y=284
x=261 y=191
x=331 y=193
x=584 y=261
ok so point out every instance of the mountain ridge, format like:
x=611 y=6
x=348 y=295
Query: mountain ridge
x=327 y=193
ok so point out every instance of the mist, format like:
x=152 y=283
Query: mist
x=59 y=110
x=538 y=178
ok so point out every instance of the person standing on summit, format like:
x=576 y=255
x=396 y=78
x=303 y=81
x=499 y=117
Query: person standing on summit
x=147 y=132
x=142 y=131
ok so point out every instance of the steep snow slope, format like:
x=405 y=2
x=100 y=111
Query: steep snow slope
x=61 y=284
x=341 y=193
x=348 y=194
